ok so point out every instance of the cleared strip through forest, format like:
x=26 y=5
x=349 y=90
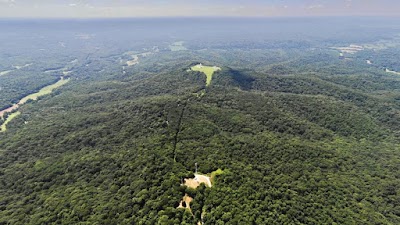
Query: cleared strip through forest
x=178 y=129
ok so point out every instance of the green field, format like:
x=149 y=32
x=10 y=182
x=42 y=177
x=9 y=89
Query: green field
x=207 y=70
x=3 y=127
x=44 y=91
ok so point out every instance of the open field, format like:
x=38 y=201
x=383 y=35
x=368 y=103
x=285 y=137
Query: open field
x=3 y=127
x=8 y=110
x=207 y=70
x=5 y=72
x=44 y=91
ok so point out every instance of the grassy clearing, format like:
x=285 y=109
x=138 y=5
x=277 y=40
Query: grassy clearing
x=44 y=91
x=207 y=70
x=5 y=72
x=3 y=127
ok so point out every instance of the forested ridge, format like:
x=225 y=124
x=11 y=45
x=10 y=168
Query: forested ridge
x=301 y=136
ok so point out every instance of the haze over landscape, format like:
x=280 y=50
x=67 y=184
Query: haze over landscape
x=189 y=8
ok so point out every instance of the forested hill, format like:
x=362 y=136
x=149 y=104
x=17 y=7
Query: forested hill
x=298 y=136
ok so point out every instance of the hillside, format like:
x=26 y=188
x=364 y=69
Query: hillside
x=288 y=135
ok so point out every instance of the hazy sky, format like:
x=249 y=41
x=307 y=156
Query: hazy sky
x=162 y=8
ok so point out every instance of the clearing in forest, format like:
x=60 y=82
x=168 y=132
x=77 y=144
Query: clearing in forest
x=44 y=91
x=197 y=180
x=391 y=71
x=3 y=127
x=207 y=70
x=187 y=200
x=134 y=61
x=195 y=183
x=5 y=72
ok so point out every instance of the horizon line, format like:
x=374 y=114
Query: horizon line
x=199 y=17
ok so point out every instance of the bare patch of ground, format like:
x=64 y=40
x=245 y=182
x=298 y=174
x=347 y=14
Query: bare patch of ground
x=197 y=180
x=135 y=57
x=194 y=183
x=185 y=202
x=391 y=71
x=134 y=61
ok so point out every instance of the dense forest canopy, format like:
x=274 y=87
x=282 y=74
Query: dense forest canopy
x=300 y=125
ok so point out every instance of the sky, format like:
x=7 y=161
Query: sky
x=195 y=8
